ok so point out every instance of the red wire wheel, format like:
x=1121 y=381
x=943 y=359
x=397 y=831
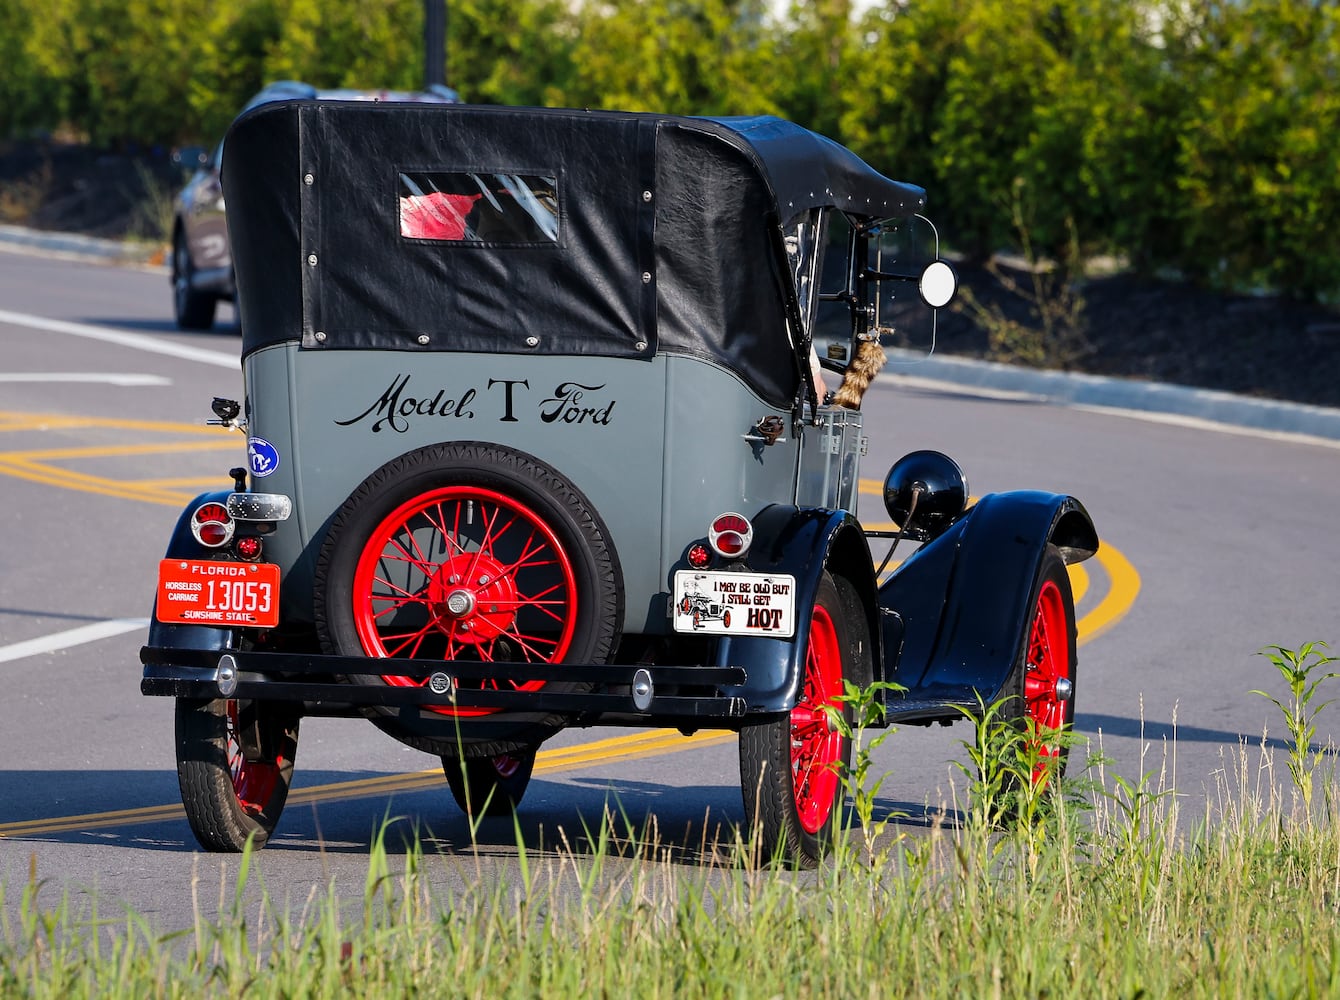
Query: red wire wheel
x=1043 y=686
x=462 y=573
x=816 y=747
x=234 y=766
x=254 y=781
x=793 y=766
x=468 y=552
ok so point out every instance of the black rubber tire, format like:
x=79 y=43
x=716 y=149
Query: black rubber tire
x=490 y=786
x=192 y=309
x=521 y=478
x=767 y=779
x=207 y=747
x=1051 y=602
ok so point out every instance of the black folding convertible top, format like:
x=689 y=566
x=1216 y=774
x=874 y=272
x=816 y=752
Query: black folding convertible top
x=667 y=231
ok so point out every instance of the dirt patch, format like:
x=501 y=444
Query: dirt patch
x=1166 y=331
x=71 y=188
x=1133 y=327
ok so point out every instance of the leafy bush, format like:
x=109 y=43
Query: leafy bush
x=1196 y=140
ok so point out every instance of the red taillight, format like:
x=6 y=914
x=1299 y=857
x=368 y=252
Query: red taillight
x=698 y=556
x=211 y=525
x=249 y=547
x=730 y=544
x=731 y=535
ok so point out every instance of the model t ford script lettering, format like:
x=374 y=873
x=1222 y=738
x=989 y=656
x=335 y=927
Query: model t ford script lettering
x=669 y=290
x=568 y=403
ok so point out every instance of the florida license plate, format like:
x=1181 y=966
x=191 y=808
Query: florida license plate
x=723 y=603
x=207 y=592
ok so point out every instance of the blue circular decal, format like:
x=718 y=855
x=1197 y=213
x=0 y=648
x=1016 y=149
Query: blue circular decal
x=263 y=456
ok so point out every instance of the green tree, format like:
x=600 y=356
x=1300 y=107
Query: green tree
x=28 y=89
x=703 y=57
x=816 y=64
x=362 y=44
x=131 y=64
x=1259 y=164
x=501 y=52
x=236 y=40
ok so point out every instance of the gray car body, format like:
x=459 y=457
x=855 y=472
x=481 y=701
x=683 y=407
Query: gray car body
x=671 y=445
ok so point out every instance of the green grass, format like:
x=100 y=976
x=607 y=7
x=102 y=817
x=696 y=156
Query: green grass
x=1103 y=891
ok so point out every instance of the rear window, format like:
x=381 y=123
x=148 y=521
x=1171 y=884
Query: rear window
x=487 y=208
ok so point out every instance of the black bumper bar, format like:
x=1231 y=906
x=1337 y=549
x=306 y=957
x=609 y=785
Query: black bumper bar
x=622 y=689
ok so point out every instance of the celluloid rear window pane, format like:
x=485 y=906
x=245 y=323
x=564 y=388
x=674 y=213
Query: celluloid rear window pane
x=479 y=208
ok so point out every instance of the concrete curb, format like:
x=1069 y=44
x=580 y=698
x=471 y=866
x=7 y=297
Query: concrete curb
x=75 y=246
x=1268 y=415
x=1265 y=415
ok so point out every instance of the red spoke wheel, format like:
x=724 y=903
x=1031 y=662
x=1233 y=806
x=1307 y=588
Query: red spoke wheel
x=490 y=786
x=234 y=766
x=464 y=573
x=792 y=767
x=1042 y=686
x=475 y=553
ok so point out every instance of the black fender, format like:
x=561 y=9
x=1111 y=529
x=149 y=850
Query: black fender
x=801 y=542
x=959 y=602
x=182 y=545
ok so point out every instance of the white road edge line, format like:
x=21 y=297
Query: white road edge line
x=71 y=637
x=109 y=378
x=125 y=338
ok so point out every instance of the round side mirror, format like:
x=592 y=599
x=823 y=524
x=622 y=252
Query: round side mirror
x=925 y=492
x=937 y=284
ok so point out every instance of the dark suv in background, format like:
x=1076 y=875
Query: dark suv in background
x=202 y=266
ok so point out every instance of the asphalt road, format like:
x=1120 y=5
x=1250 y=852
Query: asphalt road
x=1216 y=542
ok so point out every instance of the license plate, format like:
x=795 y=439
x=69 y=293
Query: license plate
x=205 y=592
x=723 y=603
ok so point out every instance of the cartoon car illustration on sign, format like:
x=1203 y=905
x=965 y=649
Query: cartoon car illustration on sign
x=700 y=610
x=545 y=447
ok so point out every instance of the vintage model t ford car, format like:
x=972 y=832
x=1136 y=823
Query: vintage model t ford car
x=535 y=440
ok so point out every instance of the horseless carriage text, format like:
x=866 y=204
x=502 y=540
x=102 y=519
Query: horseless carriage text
x=535 y=441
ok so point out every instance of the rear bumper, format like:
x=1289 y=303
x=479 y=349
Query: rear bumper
x=632 y=693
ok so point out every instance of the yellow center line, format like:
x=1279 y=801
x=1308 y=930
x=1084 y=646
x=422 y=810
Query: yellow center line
x=1122 y=589
x=50 y=476
x=121 y=450
x=196 y=483
x=619 y=748
x=34 y=465
x=14 y=421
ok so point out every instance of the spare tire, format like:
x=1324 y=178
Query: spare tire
x=469 y=551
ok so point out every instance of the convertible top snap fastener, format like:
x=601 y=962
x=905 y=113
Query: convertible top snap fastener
x=646 y=277
x=423 y=338
x=320 y=336
x=311 y=259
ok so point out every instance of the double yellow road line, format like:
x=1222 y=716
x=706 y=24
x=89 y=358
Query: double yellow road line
x=651 y=743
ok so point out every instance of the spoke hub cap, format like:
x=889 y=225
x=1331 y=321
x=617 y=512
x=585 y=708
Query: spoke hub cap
x=472 y=598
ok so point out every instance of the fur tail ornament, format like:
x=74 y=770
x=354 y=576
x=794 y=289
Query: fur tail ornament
x=869 y=359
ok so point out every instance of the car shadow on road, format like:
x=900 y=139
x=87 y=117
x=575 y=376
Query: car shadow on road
x=1153 y=731
x=693 y=826
x=222 y=331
